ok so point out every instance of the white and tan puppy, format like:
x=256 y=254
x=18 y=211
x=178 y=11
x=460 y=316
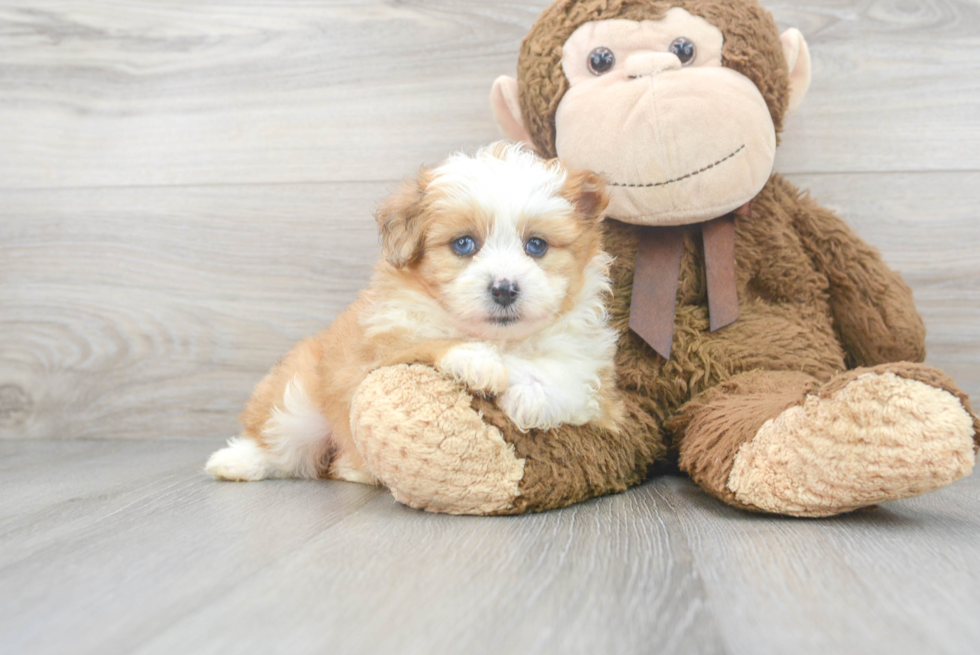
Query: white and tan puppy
x=494 y=273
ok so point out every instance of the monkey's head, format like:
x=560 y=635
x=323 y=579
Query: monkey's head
x=676 y=102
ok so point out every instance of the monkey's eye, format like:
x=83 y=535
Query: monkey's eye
x=535 y=247
x=464 y=246
x=601 y=60
x=685 y=50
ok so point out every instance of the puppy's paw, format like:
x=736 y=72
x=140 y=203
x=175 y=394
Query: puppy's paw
x=528 y=405
x=477 y=365
x=531 y=404
x=539 y=400
x=242 y=461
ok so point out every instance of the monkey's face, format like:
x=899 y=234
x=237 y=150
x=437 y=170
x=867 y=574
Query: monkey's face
x=680 y=138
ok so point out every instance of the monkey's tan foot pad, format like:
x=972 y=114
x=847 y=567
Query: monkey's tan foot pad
x=420 y=437
x=880 y=437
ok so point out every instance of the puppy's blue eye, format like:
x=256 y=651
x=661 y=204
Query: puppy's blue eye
x=464 y=246
x=535 y=247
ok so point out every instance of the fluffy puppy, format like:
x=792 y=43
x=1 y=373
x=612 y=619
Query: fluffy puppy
x=494 y=273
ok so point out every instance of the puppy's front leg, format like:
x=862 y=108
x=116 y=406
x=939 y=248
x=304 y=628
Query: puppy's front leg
x=476 y=364
x=546 y=393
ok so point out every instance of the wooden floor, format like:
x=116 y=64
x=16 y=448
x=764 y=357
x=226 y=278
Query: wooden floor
x=186 y=189
x=126 y=547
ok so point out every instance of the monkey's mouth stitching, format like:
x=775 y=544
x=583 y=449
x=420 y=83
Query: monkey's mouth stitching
x=684 y=177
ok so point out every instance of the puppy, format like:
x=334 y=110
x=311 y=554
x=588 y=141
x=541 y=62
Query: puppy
x=494 y=273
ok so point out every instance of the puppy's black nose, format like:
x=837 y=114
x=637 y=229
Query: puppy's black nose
x=504 y=292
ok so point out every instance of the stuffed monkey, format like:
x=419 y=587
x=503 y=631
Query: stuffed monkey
x=763 y=347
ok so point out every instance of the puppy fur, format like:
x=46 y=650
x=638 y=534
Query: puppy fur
x=545 y=352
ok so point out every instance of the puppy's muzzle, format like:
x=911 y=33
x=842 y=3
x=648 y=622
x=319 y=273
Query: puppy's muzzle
x=504 y=292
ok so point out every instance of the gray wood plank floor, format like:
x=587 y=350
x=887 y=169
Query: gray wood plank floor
x=127 y=547
x=186 y=189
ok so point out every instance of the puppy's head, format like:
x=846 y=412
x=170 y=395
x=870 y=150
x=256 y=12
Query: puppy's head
x=503 y=240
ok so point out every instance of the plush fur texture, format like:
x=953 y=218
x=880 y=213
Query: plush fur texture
x=752 y=48
x=816 y=305
x=799 y=267
x=879 y=437
x=456 y=241
x=435 y=452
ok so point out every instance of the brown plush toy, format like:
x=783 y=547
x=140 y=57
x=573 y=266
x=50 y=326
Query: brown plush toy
x=762 y=344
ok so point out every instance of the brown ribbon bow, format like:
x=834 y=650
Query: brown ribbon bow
x=658 y=266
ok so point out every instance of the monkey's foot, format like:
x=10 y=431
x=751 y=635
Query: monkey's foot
x=421 y=437
x=879 y=437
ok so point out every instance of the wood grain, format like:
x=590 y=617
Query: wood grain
x=130 y=547
x=161 y=93
x=122 y=93
x=901 y=578
x=142 y=313
x=167 y=560
x=895 y=86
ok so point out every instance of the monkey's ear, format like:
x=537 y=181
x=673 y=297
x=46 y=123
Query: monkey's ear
x=797 y=56
x=400 y=224
x=587 y=193
x=507 y=110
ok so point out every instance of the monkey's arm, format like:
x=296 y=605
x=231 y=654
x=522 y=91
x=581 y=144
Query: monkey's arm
x=439 y=448
x=874 y=316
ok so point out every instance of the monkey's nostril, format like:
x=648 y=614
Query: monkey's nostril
x=504 y=292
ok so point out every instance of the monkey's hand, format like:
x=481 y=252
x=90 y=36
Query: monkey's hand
x=421 y=437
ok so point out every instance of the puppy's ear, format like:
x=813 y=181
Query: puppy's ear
x=400 y=224
x=587 y=193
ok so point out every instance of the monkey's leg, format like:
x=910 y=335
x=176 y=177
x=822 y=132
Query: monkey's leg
x=440 y=449
x=781 y=442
